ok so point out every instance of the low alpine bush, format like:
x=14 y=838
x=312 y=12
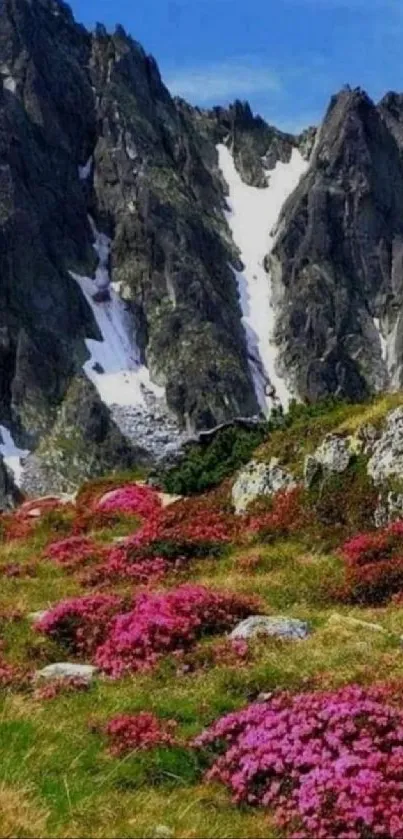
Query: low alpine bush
x=328 y=763
x=138 y=732
x=374 y=565
x=80 y=624
x=167 y=622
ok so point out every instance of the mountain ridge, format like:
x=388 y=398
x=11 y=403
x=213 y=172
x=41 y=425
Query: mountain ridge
x=109 y=182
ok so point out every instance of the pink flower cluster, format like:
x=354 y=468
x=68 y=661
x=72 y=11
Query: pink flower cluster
x=131 y=732
x=168 y=622
x=131 y=498
x=81 y=624
x=328 y=763
x=119 y=641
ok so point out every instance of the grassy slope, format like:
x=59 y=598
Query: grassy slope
x=56 y=777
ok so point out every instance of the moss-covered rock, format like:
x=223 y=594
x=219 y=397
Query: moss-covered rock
x=83 y=443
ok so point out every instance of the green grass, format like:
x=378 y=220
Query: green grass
x=53 y=750
x=57 y=778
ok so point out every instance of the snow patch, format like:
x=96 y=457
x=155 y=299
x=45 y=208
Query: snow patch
x=10 y=84
x=382 y=340
x=137 y=405
x=392 y=360
x=85 y=171
x=252 y=214
x=114 y=367
x=12 y=455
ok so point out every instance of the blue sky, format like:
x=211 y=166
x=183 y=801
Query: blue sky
x=286 y=57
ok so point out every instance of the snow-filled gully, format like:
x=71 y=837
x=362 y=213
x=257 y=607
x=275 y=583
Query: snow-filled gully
x=138 y=405
x=114 y=366
x=12 y=455
x=252 y=214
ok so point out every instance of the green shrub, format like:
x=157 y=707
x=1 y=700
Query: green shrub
x=207 y=463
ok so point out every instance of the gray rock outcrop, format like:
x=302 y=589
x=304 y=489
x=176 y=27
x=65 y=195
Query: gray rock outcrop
x=259 y=479
x=278 y=627
x=332 y=456
x=386 y=460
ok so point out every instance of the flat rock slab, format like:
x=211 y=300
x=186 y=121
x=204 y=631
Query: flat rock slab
x=337 y=620
x=67 y=670
x=278 y=627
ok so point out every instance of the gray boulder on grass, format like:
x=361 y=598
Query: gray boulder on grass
x=278 y=627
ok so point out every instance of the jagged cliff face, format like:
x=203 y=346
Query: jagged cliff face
x=337 y=261
x=173 y=268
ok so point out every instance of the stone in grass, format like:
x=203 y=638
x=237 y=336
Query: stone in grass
x=162 y=831
x=348 y=622
x=278 y=627
x=67 y=670
x=36 y=617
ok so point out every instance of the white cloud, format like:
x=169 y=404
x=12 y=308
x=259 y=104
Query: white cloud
x=221 y=81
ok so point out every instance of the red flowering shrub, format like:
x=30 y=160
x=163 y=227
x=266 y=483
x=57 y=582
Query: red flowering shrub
x=103 y=503
x=366 y=548
x=185 y=530
x=118 y=567
x=329 y=763
x=14 y=528
x=288 y=514
x=374 y=565
x=75 y=551
x=187 y=521
x=13 y=676
x=131 y=732
x=167 y=622
x=26 y=518
x=81 y=624
x=58 y=687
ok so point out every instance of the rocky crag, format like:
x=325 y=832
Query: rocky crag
x=119 y=253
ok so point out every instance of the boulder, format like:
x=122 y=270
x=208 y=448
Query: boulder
x=67 y=670
x=332 y=456
x=387 y=455
x=257 y=479
x=348 y=622
x=278 y=627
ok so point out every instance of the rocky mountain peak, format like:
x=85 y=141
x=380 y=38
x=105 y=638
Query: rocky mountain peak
x=137 y=248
